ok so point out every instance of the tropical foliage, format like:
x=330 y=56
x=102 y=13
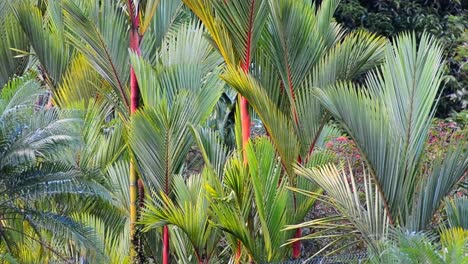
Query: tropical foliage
x=126 y=135
x=446 y=20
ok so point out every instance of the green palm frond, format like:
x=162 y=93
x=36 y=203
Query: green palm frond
x=103 y=40
x=389 y=121
x=187 y=46
x=368 y=215
x=204 y=10
x=182 y=247
x=150 y=7
x=277 y=124
x=47 y=38
x=80 y=84
x=444 y=176
x=96 y=133
x=115 y=244
x=271 y=199
x=161 y=139
x=189 y=212
x=305 y=202
x=355 y=54
x=295 y=45
x=18 y=97
x=454 y=242
x=244 y=22
x=169 y=15
x=179 y=68
x=457 y=212
x=11 y=37
x=214 y=153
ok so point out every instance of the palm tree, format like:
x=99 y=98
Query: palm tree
x=393 y=134
x=235 y=28
x=106 y=49
x=246 y=204
x=38 y=175
x=181 y=89
x=189 y=214
x=389 y=118
x=303 y=48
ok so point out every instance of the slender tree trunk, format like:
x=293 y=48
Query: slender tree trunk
x=245 y=122
x=134 y=104
x=133 y=206
x=245 y=65
x=238 y=252
x=165 y=253
x=296 y=247
x=244 y=108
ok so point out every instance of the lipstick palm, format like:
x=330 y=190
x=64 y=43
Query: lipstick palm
x=104 y=39
x=181 y=89
x=235 y=28
x=307 y=49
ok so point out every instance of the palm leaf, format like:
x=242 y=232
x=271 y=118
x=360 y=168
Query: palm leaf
x=100 y=42
x=369 y=215
x=457 y=210
x=11 y=36
x=445 y=174
x=189 y=212
x=389 y=120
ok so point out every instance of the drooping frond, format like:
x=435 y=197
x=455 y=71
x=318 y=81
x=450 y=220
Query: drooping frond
x=47 y=39
x=103 y=41
x=368 y=215
x=11 y=37
x=204 y=10
x=277 y=124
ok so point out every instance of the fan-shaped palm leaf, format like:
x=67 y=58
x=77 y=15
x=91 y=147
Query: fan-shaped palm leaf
x=103 y=40
x=389 y=120
x=367 y=215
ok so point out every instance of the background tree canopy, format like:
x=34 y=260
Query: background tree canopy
x=445 y=19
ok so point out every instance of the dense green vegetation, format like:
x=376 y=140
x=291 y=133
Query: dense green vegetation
x=447 y=20
x=212 y=131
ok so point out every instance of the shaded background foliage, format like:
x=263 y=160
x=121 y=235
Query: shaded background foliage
x=445 y=19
